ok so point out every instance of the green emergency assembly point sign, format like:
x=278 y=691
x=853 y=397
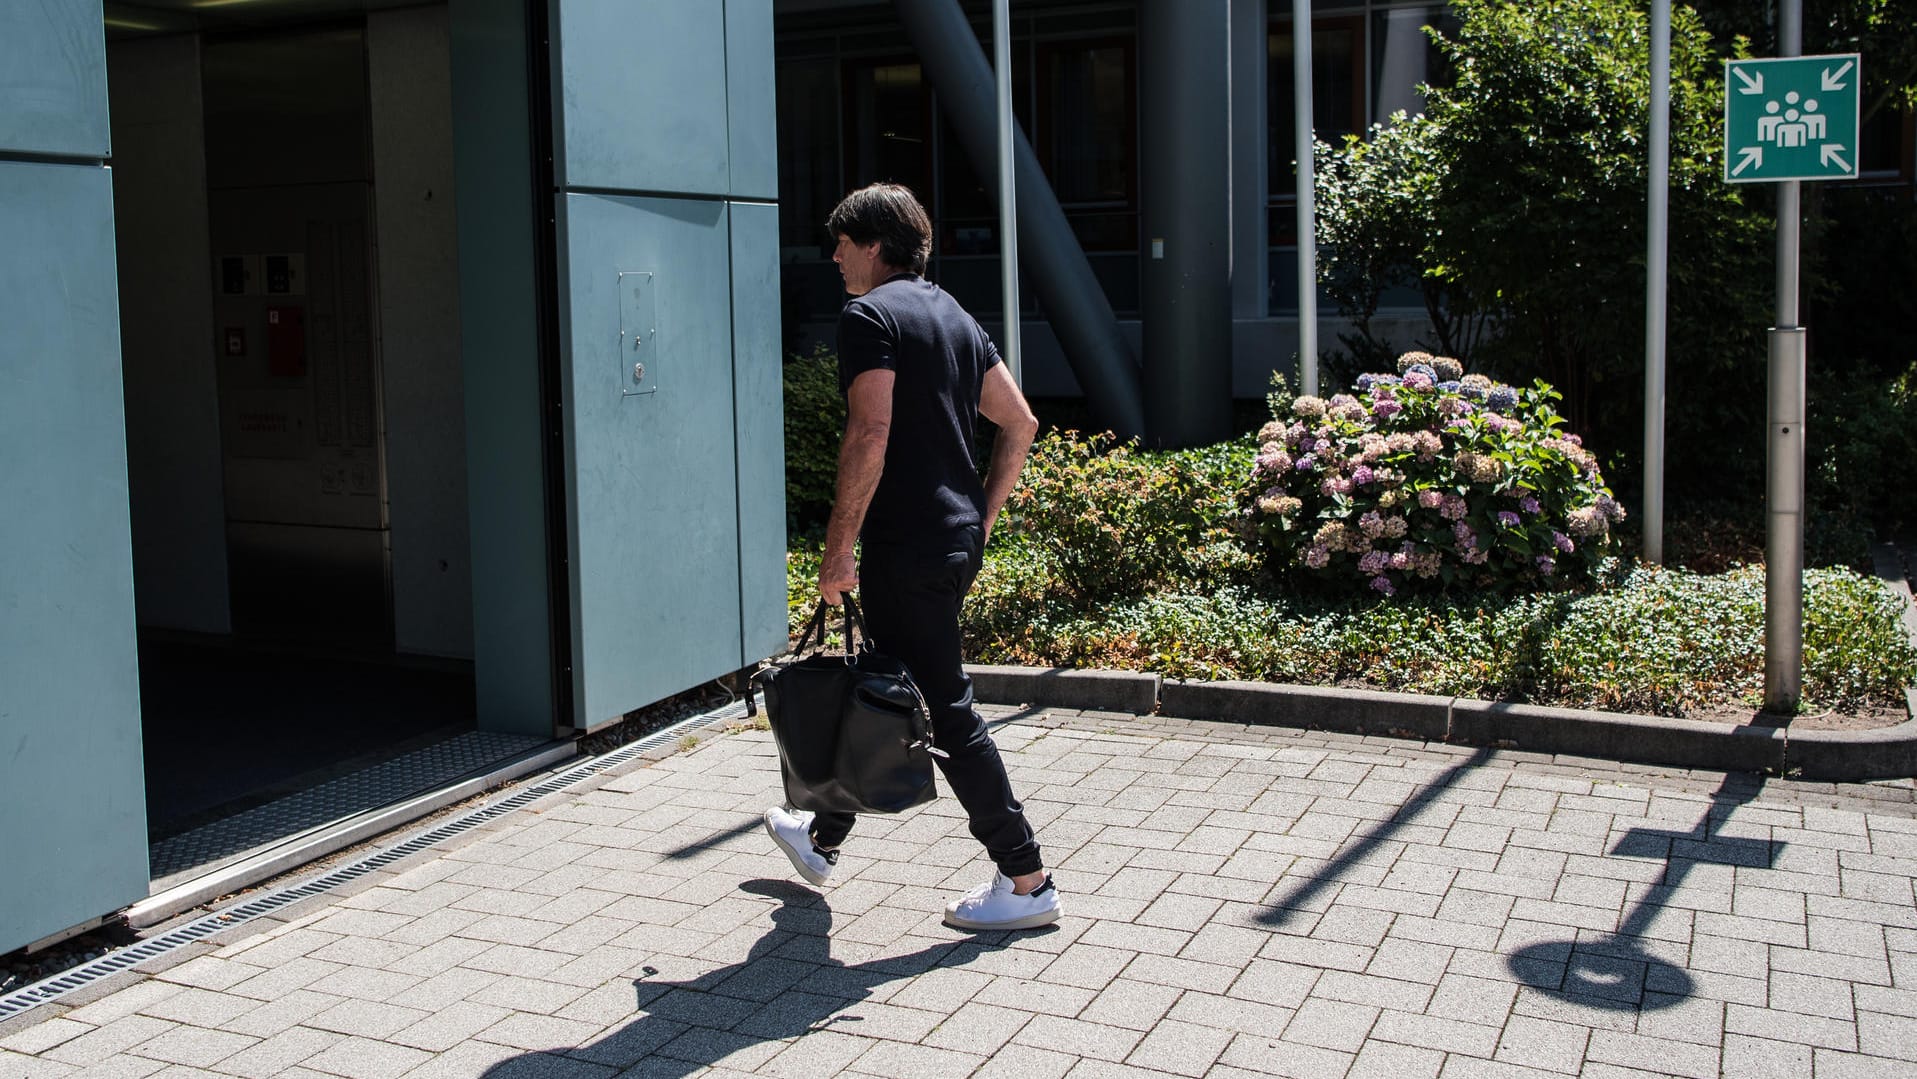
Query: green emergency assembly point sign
x=1791 y=118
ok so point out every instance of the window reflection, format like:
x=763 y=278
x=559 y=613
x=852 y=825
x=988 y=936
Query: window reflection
x=1403 y=58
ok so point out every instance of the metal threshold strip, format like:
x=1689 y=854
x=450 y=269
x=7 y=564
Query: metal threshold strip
x=131 y=956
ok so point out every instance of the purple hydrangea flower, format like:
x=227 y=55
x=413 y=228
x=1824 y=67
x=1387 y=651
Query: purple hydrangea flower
x=1383 y=584
x=1305 y=463
x=1386 y=409
x=1502 y=398
x=1563 y=542
x=1547 y=565
x=1362 y=475
x=1507 y=519
x=1529 y=504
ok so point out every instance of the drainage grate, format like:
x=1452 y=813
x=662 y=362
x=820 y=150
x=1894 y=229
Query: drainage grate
x=133 y=955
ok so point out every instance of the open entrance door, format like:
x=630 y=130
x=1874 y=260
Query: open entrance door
x=288 y=258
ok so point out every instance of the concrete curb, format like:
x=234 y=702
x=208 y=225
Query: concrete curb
x=1838 y=756
x=1060 y=687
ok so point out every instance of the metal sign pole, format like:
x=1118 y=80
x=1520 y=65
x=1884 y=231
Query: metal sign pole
x=1007 y=190
x=1784 y=547
x=1656 y=281
x=1307 y=198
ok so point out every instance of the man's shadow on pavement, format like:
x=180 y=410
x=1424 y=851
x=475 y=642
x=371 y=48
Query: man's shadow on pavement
x=788 y=986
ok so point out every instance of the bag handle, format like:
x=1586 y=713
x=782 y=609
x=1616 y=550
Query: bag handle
x=816 y=629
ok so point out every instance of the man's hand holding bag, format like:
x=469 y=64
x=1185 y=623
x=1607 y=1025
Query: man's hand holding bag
x=853 y=732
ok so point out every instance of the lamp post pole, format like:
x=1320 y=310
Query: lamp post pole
x=1307 y=200
x=1784 y=541
x=1656 y=281
x=1007 y=190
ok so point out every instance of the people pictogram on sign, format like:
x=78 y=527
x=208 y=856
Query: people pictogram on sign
x=1793 y=122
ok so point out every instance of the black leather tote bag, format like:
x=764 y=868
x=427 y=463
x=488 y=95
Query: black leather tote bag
x=853 y=732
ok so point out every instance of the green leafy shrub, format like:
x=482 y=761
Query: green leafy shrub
x=1433 y=480
x=814 y=427
x=1113 y=521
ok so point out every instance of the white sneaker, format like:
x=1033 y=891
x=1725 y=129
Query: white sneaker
x=994 y=906
x=793 y=833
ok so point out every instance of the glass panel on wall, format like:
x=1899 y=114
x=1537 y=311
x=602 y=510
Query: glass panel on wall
x=966 y=215
x=1087 y=113
x=887 y=126
x=1088 y=134
x=808 y=154
x=1337 y=94
x=1404 y=58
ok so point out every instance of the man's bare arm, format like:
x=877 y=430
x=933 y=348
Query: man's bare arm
x=1001 y=402
x=868 y=426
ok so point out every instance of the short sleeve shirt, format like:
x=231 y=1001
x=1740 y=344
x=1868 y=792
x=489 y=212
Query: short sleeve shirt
x=938 y=356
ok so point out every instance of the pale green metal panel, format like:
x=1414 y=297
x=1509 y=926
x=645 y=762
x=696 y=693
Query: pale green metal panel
x=640 y=89
x=53 y=88
x=750 y=108
x=650 y=460
x=72 y=789
x=758 y=396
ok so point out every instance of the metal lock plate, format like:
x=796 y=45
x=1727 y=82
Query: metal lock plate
x=638 y=366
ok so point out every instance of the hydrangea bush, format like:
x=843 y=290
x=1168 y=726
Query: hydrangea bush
x=1429 y=480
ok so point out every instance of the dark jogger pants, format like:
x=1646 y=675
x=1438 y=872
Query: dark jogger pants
x=910 y=597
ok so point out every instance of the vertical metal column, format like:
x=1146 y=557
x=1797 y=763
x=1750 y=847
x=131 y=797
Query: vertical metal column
x=1784 y=546
x=1185 y=198
x=1656 y=280
x=1307 y=197
x=1007 y=189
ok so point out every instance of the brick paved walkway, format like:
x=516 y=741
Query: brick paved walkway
x=1239 y=903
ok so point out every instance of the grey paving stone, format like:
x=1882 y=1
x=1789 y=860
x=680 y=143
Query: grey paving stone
x=1383 y=1060
x=1329 y=1024
x=1134 y=1005
x=1814 y=1031
x=1762 y=1058
x=1831 y=1064
x=1884 y=1035
x=276 y=1054
x=193 y=1046
x=1263 y=1055
x=1079 y=1037
x=1654 y=1054
x=44 y=1035
x=1180 y=1048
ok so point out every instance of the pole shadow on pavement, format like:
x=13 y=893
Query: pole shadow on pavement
x=1616 y=972
x=788 y=986
x=1281 y=910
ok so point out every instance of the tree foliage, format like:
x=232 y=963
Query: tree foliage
x=1529 y=201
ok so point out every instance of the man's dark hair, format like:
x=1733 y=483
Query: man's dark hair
x=890 y=214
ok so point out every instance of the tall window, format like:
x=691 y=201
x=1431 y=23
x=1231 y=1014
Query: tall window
x=1884 y=145
x=808 y=153
x=888 y=125
x=1337 y=103
x=1403 y=58
x=1088 y=137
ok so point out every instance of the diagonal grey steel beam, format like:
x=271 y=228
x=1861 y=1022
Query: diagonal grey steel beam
x=1079 y=311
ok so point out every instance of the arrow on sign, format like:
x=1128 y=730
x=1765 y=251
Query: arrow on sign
x=1753 y=155
x=1830 y=153
x=1753 y=84
x=1834 y=80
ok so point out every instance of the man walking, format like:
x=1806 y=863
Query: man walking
x=917 y=372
